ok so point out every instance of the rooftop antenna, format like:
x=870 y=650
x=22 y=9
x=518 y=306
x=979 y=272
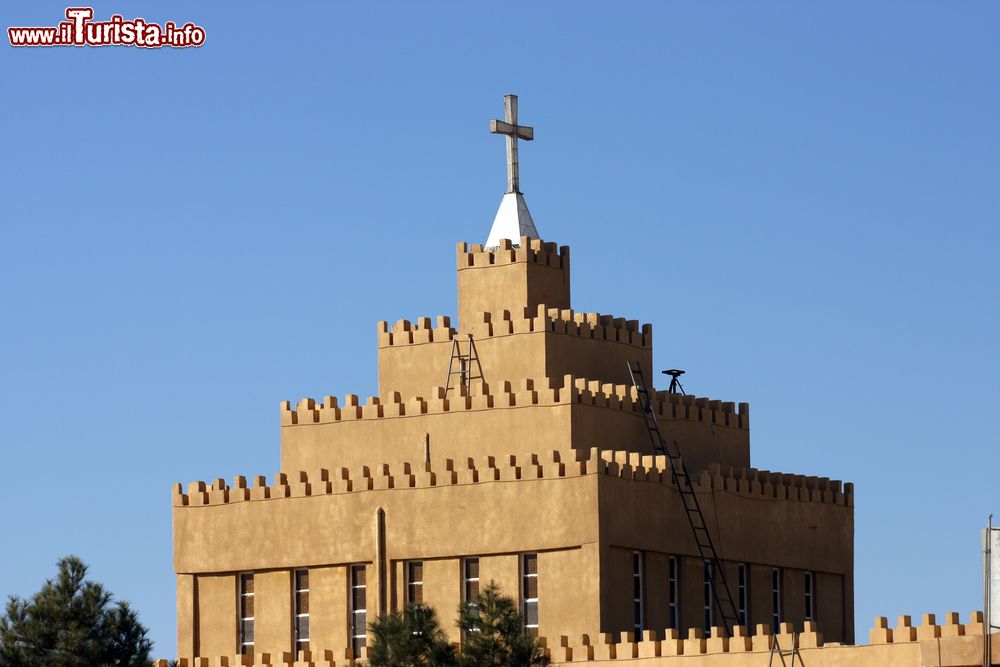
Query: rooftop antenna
x=675 y=383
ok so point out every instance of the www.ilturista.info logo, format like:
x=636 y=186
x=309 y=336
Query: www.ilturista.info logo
x=80 y=30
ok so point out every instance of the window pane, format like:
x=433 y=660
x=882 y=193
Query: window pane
x=636 y=587
x=416 y=571
x=531 y=564
x=358 y=599
x=530 y=587
x=246 y=632
x=246 y=604
x=246 y=582
x=416 y=593
x=635 y=562
x=302 y=603
x=358 y=575
x=302 y=628
x=302 y=580
x=472 y=591
x=531 y=613
x=360 y=623
x=471 y=568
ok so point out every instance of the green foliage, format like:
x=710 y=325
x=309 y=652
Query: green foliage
x=72 y=622
x=411 y=638
x=493 y=634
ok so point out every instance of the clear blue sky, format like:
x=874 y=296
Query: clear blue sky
x=803 y=198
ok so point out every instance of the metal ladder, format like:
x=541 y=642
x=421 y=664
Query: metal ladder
x=468 y=366
x=776 y=650
x=723 y=598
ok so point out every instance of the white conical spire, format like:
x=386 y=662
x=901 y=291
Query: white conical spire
x=512 y=221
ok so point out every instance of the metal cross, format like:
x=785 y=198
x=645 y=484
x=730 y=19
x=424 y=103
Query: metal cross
x=513 y=132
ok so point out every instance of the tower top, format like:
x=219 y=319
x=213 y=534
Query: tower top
x=512 y=220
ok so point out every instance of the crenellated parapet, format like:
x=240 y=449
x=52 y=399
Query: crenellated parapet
x=510 y=468
x=526 y=392
x=948 y=644
x=952 y=639
x=383 y=476
x=544 y=319
x=405 y=332
x=545 y=342
x=566 y=321
x=513 y=394
x=749 y=482
x=530 y=251
x=531 y=414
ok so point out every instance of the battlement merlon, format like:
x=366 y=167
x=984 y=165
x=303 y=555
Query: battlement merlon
x=511 y=278
x=544 y=342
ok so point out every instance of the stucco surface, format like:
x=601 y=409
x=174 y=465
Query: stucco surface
x=517 y=422
x=547 y=454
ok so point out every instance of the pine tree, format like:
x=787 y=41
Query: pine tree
x=72 y=622
x=493 y=633
x=411 y=638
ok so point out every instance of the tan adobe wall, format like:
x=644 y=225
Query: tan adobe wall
x=507 y=418
x=549 y=342
x=806 y=525
x=329 y=621
x=511 y=278
x=219 y=528
x=950 y=643
x=324 y=519
x=815 y=533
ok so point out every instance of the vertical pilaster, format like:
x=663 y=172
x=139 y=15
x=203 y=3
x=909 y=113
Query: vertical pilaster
x=187 y=620
x=379 y=563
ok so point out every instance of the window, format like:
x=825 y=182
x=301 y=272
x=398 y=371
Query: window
x=415 y=581
x=246 y=614
x=742 y=594
x=470 y=580
x=775 y=599
x=810 y=596
x=300 y=582
x=637 y=605
x=529 y=593
x=673 y=590
x=709 y=596
x=359 y=610
x=470 y=585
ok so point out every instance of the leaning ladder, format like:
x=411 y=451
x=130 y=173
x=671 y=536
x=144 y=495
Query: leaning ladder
x=466 y=366
x=723 y=599
x=776 y=650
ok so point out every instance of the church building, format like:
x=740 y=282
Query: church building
x=517 y=442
